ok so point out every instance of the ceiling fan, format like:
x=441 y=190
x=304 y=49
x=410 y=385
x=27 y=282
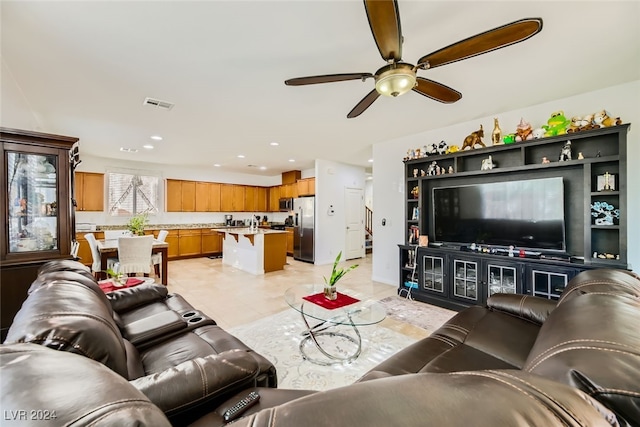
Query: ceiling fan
x=397 y=77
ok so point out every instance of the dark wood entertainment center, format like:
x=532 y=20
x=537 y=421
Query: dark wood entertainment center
x=455 y=276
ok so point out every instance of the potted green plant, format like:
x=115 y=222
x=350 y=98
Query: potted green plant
x=336 y=274
x=137 y=223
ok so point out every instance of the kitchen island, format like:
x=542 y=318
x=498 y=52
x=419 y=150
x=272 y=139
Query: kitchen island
x=256 y=251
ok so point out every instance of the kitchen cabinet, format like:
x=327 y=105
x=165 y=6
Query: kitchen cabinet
x=307 y=187
x=289 y=191
x=232 y=198
x=274 y=198
x=289 y=231
x=255 y=199
x=189 y=242
x=36 y=210
x=203 y=196
x=84 y=251
x=173 y=240
x=89 y=192
x=214 y=197
x=173 y=195
x=188 y=196
x=211 y=242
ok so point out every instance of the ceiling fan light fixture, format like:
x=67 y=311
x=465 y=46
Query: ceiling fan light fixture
x=395 y=80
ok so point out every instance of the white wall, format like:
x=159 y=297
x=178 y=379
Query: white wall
x=332 y=179
x=15 y=111
x=389 y=192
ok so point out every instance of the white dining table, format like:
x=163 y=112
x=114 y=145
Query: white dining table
x=108 y=248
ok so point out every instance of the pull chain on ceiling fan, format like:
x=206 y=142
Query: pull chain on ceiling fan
x=397 y=77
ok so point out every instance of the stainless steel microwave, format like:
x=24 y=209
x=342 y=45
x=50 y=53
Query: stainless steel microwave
x=286 y=205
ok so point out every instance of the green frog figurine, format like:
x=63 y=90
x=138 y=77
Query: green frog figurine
x=556 y=125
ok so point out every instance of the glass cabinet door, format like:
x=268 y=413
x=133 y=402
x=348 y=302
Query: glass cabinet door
x=32 y=202
x=466 y=279
x=502 y=279
x=432 y=273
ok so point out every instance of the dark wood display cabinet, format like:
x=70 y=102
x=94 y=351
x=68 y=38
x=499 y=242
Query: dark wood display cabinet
x=36 y=210
x=594 y=184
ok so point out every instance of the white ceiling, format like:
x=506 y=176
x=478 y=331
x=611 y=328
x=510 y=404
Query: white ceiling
x=85 y=68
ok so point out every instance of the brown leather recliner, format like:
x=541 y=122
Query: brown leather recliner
x=182 y=369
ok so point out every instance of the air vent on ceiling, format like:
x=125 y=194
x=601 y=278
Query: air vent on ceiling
x=164 y=105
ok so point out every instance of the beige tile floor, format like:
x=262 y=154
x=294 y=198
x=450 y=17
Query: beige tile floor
x=233 y=297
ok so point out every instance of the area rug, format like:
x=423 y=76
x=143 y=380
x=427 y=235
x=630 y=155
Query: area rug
x=277 y=338
x=426 y=316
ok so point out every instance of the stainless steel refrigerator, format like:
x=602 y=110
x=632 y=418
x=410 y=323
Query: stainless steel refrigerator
x=304 y=228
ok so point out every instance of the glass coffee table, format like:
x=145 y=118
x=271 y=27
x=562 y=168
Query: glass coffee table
x=321 y=322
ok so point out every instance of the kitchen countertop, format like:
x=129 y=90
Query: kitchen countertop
x=246 y=230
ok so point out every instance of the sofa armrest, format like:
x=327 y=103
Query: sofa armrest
x=534 y=309
x=129 y=298
x=188 y=389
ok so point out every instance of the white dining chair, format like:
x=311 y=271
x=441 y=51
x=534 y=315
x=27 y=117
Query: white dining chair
x=156 y=259
x=115 y=234
x=134 y=254
x=95 y=254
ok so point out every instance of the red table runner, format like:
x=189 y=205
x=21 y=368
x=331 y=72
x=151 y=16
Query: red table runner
x=341 y=301
x=108 y=286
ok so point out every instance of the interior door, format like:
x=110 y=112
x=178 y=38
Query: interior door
x=354 y=216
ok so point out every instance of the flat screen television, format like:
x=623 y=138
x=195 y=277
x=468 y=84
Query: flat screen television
x=527 y=214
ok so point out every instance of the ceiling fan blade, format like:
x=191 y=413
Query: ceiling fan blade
x=363 y=104
x=497 y=38
x=384 y=21
x=328 y=78
x=436 y=91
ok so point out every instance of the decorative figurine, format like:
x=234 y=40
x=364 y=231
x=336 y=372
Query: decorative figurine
x=452 y=149
x=474 y=139
x=415 y=191
x=422 y=172
x=487 y=164
x=545 y=160
x=602 y=120
x=450 y=169
x=415 y=173
x=580 y=156
x=565 y=153
x=537 y=133
x=496 y=135
x=433 y=149
x=556 y=125
x=443 y=147
x=431 y=170
x=509 y=138
x=523 y=131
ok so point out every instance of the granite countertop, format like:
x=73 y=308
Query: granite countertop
x=246 y=230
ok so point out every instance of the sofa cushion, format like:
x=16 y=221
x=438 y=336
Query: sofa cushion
x=41 y=386
x=592 y=342
x=476 y=338
x=69 y=316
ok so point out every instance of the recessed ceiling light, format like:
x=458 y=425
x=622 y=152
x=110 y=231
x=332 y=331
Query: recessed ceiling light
x=263 y=168
x=129 y=150
x=292 y=160
x=369 y=177
x=274 y=144
x=217 y=165
x=370 y=160
x=148 y=146
x=156 y=137
x=241 y=156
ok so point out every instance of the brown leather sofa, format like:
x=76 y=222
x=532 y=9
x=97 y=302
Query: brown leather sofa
x=144 y=334
x=519 y=361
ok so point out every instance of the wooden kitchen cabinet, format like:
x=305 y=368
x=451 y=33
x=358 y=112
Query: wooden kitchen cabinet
x=289 y=231
x=173 y=195
x=188 y=196
x=189 y=242
x=307 y=187
x=202 y=197
x=274 y=198
x=260 y=199
x=211 y=242
x=214 y=197
x=249 y=198
x=173 y=240
x=89 y=192
x=84 y=251
x=232 y=197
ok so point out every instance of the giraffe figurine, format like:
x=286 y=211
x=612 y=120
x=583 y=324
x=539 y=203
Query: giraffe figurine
x=496 y=135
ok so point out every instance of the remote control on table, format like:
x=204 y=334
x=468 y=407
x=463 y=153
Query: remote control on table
x=239 y=408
